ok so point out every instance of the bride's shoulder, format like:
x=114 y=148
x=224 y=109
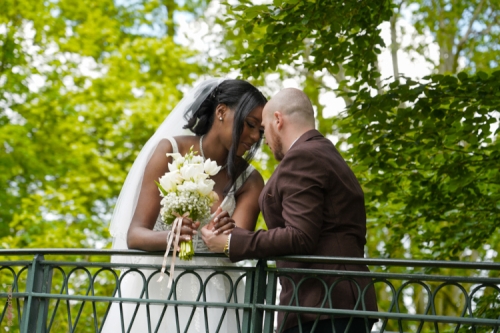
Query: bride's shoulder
x=183 y=143
x=250 y=180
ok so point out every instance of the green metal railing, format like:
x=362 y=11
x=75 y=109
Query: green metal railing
x=60 y=290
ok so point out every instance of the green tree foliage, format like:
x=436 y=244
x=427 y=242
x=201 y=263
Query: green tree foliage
x=435 y=197
x=427 y=153
x=84 y=85
x=465 y=30
x=318 y=35
x=424 y=150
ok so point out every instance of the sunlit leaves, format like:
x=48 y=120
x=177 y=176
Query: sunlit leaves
x=432 y=150
x=337 y=33
x=83 y=88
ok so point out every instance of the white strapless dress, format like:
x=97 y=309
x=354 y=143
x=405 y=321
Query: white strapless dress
x=189 y=285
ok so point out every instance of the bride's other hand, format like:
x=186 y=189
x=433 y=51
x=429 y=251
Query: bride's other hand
x=223 y=224
x=188 y=229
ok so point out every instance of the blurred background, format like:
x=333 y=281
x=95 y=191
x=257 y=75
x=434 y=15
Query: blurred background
x=406 y=90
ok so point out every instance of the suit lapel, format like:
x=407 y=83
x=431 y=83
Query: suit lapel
x=270 y=189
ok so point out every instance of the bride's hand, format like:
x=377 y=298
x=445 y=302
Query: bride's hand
x=188 y=229
x=223 y=223
x=215 y=243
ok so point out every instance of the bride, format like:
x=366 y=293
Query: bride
x=225 y=118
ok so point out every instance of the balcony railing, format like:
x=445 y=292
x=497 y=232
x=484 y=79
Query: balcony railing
x=59 y=290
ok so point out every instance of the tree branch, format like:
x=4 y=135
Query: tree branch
x=339 y=77
x=464 y=38
x=394 y=43
x=469 y=29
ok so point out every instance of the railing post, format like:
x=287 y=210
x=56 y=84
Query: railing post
x=35 y=309
x=259 y=293
x=247 y=314
x=270 y=300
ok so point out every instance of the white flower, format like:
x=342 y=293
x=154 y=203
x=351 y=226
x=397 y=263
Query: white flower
x=206 y=186
x=197 y=159
x=190 y=171
x=200 y=177
x=211 y=167
x=170 y=180
x=213 y=196
x=188 y=186
x=175 y=156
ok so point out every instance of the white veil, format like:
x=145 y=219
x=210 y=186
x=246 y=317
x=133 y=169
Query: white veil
x=129 y=195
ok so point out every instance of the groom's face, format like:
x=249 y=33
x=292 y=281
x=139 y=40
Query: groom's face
x=271 y=135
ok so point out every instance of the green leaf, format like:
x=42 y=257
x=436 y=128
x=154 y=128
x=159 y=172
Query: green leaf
x=248 y=28
x=462 y=76
x=161 y=188
x=269 y=48
x=482 y=75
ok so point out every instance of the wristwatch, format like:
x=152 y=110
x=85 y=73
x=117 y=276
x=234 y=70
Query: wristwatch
x=226 y=247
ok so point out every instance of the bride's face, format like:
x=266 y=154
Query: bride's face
x=252 y=131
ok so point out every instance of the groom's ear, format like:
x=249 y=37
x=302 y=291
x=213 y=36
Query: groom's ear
x=278 y=118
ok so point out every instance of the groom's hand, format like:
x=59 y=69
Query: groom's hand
x=215 y=243
x=223 y=223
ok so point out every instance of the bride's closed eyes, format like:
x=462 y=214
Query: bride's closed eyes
x=253 y=126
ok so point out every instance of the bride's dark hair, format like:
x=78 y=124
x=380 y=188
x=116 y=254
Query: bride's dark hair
x=240 y=96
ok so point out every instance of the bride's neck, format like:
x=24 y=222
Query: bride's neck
x=214 y=149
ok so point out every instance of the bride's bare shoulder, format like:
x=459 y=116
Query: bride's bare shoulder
x=184 y=142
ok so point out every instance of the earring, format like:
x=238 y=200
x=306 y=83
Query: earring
x=220 y=118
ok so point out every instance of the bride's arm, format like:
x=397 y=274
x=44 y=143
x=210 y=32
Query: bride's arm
x=247 y=202
x=245 y=215
x=140 y=233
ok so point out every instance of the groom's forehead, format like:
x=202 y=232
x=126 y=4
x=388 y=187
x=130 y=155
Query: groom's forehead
x=267 y=111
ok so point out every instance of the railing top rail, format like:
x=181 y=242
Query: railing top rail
x=297 y=258
x=393 y=262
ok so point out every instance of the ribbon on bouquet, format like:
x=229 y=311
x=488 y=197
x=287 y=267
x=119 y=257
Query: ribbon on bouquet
x=175 y=233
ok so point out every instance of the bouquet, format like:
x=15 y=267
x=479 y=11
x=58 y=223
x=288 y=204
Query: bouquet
x=186 y=190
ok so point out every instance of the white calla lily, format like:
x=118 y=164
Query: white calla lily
x=200 y=177
x=197 y=159
x=205 y=187
x=175 y=156
x=214 y=197
x=170 y=180
x=188 y=186
x=190 y=171
x=211 y=167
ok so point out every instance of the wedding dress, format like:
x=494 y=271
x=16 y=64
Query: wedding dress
x=222 y=287
x=188 y=284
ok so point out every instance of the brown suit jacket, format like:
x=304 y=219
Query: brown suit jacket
x=312 y=204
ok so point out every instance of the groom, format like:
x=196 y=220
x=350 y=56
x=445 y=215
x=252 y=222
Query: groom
x=312 y=205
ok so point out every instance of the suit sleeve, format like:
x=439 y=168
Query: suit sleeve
x=300 y=185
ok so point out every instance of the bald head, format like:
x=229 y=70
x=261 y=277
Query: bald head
x=293 y=103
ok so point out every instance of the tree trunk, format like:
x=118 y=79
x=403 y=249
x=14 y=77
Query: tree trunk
x=170 y=6
x=394 y=47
